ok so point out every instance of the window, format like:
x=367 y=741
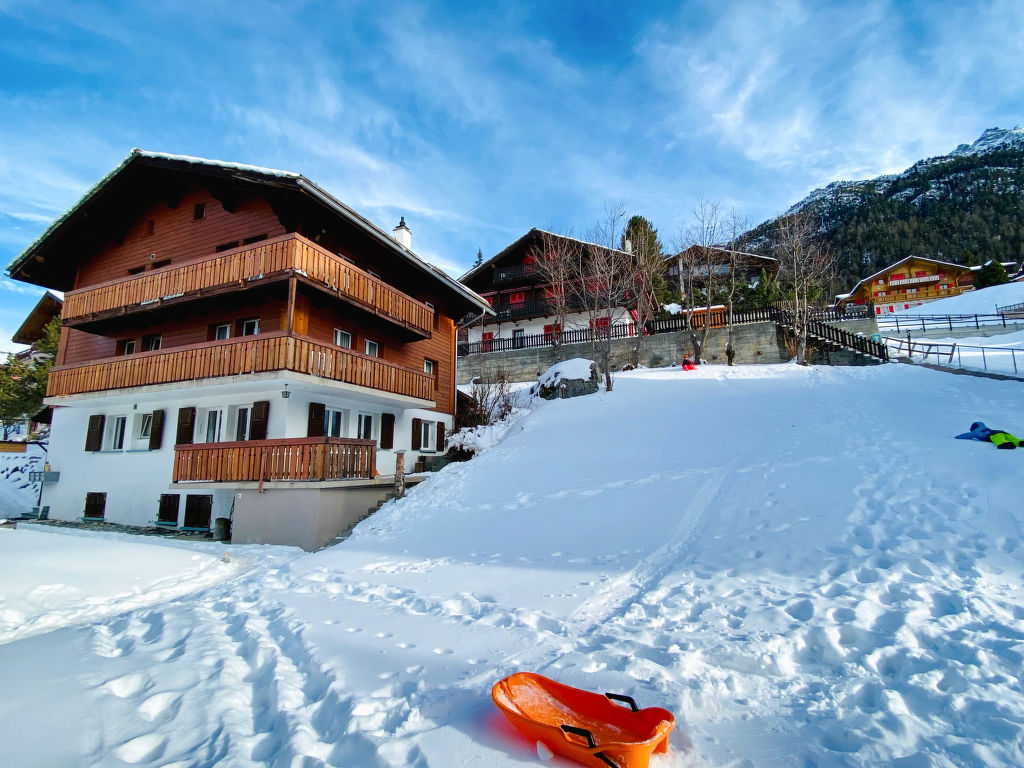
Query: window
x=518 y=338
x=255 y=239
x=126 y=347
x=365 y=427
x=427 y=436
x=335 y=422
x=115 y=439
x=214 y=422
x=243 y=417
x=490 y=300
x=226 y=246
x=342 y=338
x=370 y=348
x=221 y=331
x=518 y=297
x=152 y=343
x=552 y=332
x=159 y=264
x=197 y=511
x=137 y=270
x=371 y=273
x=487 y=341
x=95 y=506
x=251 y=326
x=198 y=212
x=167 y=514
x=429 y=366
x=146 y=425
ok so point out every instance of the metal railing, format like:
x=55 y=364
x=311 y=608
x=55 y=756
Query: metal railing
x=967 y=357
x=1016 y=310
x=899 y=324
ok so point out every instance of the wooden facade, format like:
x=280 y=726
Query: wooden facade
x=908 y=283
x=289 y=459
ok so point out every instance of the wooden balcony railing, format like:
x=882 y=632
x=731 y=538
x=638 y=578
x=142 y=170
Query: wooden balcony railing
x=301 y=458
x=292 y=254
x=231 y=357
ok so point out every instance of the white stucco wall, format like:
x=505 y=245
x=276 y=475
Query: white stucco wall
x=505 y=330
x=134 y=477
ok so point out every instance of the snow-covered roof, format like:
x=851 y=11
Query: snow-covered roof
x=532 y=233
x=296 y=179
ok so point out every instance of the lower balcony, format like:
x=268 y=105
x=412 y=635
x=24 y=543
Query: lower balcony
x=296 y=459
x=232 y=357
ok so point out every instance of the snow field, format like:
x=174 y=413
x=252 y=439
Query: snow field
x=802 y=564
x=980 y=302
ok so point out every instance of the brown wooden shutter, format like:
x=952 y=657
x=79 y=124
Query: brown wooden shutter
x=417 y=433
x=440 y=436
x=315 y=424
x=387 y=431
x=94 y=435
x=260 y=414
x=186 y=425
x=156 y=430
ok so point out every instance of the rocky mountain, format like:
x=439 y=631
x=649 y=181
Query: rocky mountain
x=966 y=207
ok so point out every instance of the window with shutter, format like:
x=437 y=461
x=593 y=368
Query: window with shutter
x=186 y=425
x=260 y=416
x=417 y=433
x=168 y=512
x=94 y=434
x=315 y=421
x=156 y=430
x=387 y=431
x=95 y=505
x=197 y=511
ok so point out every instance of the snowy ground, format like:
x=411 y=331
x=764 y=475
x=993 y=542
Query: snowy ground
x=802 y=564
x=982 y=302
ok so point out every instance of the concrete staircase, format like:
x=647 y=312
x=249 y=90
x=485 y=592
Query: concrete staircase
x=371 y=510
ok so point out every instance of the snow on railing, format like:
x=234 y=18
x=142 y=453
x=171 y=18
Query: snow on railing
x=895 y=322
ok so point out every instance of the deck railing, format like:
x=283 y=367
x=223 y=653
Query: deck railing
x=303 y=458
x=291 y=254
x=254 y=354
x=904 y=323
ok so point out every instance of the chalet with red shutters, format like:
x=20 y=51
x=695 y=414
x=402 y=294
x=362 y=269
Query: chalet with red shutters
x=238 y=347
x=910 y=282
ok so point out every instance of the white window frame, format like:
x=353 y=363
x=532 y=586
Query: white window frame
x=236 y=416
x=253 y=323
x=429 y=366
x=226 y=327
x=154 y=342
x=361 y=421
x=117 y=433
x=219 y=430
x=342 y=336
x=367 y=345
x=428 y=436
x=129 y=347
x=335 y=416
x=145 y=425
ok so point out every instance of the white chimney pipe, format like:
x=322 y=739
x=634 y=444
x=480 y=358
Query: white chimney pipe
x=402 y=234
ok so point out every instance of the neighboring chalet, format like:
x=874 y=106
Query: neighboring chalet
x=910 y=282
x=520 y=295
x=238 y=345
x=30 y=332
x=717 y=262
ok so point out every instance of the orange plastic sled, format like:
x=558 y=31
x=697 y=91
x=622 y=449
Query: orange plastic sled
x=582 y=726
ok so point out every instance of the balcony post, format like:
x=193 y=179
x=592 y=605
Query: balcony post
x=291 y=305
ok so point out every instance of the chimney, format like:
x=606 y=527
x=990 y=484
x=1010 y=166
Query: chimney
x=402 y=234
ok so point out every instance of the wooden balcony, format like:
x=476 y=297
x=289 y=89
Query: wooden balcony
x=279 y=257
x=300 y=458
x=232 y=357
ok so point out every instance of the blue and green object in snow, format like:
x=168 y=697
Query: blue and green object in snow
x=1000 y=438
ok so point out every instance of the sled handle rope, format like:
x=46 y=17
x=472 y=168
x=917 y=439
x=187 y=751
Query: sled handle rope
x=590 y=742
x=624 y=699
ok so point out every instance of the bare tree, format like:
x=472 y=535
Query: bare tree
x=556 y=261
x=806 y=264
x=700 y=269
x=735 y=226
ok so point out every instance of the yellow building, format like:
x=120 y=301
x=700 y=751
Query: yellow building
x=910 y=282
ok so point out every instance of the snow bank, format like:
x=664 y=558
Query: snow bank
x=983 y=302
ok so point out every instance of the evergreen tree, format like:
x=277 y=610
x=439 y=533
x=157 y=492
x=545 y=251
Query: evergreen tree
x=992 y=273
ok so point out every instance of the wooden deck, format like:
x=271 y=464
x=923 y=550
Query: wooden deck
x=286 y=255
x=232 y=357
x=301 y=458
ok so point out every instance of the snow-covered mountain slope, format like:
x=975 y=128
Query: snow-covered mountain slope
x=991 y=139
x=801 y=563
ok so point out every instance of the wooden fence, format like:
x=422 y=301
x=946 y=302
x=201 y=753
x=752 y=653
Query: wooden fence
x=302 y=458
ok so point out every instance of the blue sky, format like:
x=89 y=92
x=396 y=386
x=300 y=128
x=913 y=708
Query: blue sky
x=478 y=123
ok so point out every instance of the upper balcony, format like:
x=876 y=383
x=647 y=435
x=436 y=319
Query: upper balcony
x=514 y=272
x=232 y=357
x=276 y=258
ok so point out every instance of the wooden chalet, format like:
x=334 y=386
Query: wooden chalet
x=910 y=282
x=717 y=263
x=236 y=343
